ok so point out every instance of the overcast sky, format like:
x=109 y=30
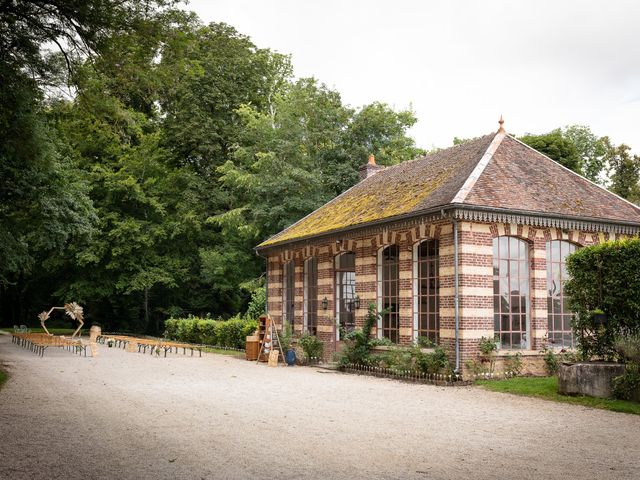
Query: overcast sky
x=461 y=64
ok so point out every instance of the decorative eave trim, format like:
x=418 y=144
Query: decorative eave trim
x=479 y=168
x=464 y=213
x=541 y=220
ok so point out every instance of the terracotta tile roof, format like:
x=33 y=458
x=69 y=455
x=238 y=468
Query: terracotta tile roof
x=492 y=171
x=520 y=178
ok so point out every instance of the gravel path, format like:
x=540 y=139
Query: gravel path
x=133 y=416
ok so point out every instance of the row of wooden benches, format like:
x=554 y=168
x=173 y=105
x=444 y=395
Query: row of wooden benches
x=39 y=342
x=154 y=345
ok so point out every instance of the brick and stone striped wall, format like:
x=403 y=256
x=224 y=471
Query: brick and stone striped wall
x=475 y=277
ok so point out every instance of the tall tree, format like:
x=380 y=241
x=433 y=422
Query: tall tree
x=625 y=171
x=591 y=149
x=558 y=147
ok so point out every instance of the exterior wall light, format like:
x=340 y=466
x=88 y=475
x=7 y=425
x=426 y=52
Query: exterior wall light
x=356 y=302
x=325 y=303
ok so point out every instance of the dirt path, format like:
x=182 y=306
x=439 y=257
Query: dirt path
x=133 y=416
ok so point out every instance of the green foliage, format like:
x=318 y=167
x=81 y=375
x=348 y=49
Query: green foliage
x=591 y=149
x=205 y=331
x=547 y=389
x=435 y=362
x=312 y=347
x=358 y=345
x=627 y=386
x=605 y=277
x=257 y=304
x=286 y=336
x=485 y=363
x=357 y=342
x=556 y=146
x=551 y=361
x=628 y=347
x=625 y=171
x=513 y=364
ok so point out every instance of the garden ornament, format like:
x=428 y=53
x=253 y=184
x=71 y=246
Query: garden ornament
x=72 y=309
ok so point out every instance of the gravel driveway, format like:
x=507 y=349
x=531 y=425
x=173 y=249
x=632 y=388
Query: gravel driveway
x=133 y=416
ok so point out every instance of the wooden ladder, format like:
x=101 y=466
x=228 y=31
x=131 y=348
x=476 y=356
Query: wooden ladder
x=269 y=339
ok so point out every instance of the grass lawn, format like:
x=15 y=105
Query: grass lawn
x=222 y=351
x=547 y=388
x=54 y=331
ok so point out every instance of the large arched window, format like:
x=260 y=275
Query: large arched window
x=559 y=316
x=345 y=268
x=288 y=292
x=511 y=292
x=311 y=295
x=426 y=288
x=388 y=292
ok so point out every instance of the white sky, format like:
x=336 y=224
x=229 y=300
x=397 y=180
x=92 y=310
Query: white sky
x=461 y=64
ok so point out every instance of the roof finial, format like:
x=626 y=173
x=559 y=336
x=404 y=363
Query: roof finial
x=372 y=159
x=501 y=122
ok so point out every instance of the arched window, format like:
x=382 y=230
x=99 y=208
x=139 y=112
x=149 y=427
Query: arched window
x=559 y=316
x=288 y=292
x=511 y=292
x=311 y=295
x=345 y=268
x=388 y=292
x=426 y=288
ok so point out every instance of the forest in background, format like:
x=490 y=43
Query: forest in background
x=143 y=154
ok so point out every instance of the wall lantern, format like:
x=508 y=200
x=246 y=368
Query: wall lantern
x=325 y=303
x=356 y=302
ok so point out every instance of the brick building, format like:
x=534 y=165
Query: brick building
x=464 y=243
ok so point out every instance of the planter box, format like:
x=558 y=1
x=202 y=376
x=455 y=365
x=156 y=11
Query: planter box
x=594 y=379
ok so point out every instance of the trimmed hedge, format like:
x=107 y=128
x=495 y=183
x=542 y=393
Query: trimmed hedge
x=605 y=278
x=225 y=333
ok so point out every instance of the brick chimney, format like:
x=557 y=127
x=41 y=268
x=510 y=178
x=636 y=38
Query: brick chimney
x=370 y=168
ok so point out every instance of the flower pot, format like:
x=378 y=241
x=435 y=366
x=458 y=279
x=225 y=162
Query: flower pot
x=599 y=319
x=290 y=357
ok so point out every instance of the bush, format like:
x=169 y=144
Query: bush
x=553 y=359
x=433 y=363
x=627 y=386
x=513 y=364
x=226 y=333
x=357 y=343
x=257 y=304
x=604 y=278
x=311 y=346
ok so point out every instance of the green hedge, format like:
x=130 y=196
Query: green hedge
x=605 y=278
x=225 y=333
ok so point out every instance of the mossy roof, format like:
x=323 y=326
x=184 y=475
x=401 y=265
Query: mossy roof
x=514 y=177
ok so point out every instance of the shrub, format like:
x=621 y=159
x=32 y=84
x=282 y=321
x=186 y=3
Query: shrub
x=513 y=364
x=605 y=278
x=357 y=343
x=257 y=304
x=551 y=361
x=628 y=348
x=285 y=336
x=311 y=346
x=227 y=333
x=627 y=386
x=433 y=363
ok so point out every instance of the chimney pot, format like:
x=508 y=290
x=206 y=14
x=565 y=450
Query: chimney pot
x=370 y=168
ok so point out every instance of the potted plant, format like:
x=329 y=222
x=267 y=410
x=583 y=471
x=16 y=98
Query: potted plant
x=285 y=343
x=598 y=317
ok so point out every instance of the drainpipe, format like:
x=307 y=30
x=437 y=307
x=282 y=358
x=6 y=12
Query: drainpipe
x=456 y=297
